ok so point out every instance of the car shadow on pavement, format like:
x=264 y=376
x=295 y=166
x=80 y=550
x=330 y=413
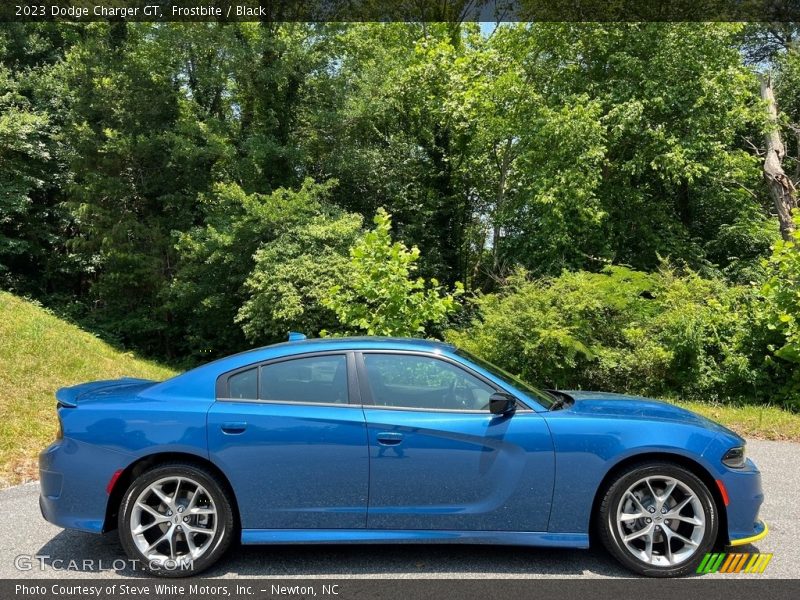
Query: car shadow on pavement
x=416 y=560
x=103 y=555
x=73 y=551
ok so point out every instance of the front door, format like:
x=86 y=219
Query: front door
x=440 y=460
x=293 y=446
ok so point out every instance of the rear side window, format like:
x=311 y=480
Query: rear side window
x=321 y=379
x=243 y=385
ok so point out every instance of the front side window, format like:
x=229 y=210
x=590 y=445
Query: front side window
x=412 y=381
x=544 y=398
x=320 y=379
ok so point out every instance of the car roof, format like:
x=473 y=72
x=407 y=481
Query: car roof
x=366 y=342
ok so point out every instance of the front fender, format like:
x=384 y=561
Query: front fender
x=587 y=448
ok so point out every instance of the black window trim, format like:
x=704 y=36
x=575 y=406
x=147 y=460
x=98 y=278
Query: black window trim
x=222 y=391
x=366 y=392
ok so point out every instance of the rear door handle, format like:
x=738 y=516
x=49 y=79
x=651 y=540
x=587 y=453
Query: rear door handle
x=389 y=438
x=234 y=428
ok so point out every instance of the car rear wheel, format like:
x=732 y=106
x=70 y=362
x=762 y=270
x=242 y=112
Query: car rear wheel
x=176 y=520
x=658 y=519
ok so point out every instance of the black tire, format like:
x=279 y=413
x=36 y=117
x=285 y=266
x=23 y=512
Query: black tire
x=611 y=531
x=218 y=543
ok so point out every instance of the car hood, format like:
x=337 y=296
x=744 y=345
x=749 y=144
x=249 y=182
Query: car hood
x=607 y=404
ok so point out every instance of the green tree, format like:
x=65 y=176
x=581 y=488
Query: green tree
x=218 y=259
x=24 y=155
x=532 y=164
x=34 y=225
x=138 y=167
x=157 y=117
x=781 y=309
x=658 y=113
x=382 y=295
x=384 y=130
x=292 y=276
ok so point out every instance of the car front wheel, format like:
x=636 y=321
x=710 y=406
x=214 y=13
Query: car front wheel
x=176 y=520
x=659 y=520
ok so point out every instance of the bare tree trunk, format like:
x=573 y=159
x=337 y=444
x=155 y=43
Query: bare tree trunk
x=780 y=186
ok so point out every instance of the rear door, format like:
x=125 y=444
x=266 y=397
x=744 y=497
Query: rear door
x=439 y=459
x=292 y=443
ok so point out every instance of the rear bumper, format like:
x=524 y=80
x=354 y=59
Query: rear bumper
x=73 y=478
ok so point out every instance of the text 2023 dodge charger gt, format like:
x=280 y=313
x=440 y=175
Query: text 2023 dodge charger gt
x=390 y=440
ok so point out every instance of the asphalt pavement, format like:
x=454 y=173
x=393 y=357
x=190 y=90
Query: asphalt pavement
x=33 y=548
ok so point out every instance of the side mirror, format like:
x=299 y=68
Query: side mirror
x=501 y=403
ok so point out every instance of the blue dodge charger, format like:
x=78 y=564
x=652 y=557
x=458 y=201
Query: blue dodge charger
x=381 y=440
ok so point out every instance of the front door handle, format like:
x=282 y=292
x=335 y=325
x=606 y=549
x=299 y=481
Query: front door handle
x=234 y=428
x=389 y=438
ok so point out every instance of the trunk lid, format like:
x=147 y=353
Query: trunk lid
x=71 y=396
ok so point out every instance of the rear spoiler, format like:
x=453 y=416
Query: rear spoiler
x=68 y=396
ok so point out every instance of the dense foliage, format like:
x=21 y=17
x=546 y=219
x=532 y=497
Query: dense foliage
x=379 y=293
x=664 y=333
x=244 y=265
x=188 y=190
x=781 y=308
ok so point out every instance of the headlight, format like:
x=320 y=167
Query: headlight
x=734 y=458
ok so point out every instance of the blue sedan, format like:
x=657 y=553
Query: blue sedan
x=382 y=440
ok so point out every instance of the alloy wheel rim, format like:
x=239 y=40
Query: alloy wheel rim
x=173 y=519
x=661 y=521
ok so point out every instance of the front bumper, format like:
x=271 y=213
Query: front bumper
x=760 y=532
x=745 y=495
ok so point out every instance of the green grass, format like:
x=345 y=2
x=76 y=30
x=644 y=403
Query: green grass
x=753 y=421
x=40 y=353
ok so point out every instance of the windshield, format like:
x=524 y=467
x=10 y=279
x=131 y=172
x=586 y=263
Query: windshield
x=542 y=397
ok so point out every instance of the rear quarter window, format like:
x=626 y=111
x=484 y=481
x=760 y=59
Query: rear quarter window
x=243 y=385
